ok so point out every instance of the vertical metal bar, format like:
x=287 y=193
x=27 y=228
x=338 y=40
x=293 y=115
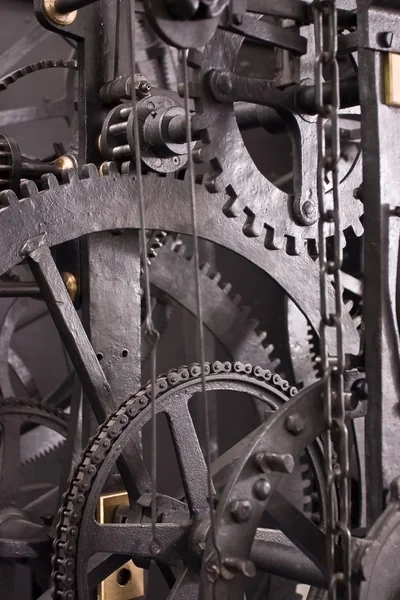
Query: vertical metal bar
x=381 y=180
x=113 y=308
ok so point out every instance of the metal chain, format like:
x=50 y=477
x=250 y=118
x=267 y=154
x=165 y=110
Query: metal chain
x=337 y=478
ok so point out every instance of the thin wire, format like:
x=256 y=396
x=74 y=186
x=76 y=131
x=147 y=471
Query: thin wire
x=199 y=305
x=151 y=330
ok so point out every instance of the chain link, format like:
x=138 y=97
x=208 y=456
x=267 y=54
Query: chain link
x=337 y=479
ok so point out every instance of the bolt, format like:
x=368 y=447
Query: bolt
x=269 y=461
x=144 y=88
x=231 y=566
x=224 y=83
x=262 y=489
x=240 y=510
x=385 y=39
x=309 y=208
x=295 y=423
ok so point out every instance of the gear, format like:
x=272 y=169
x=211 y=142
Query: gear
x=71 y=210
x=173 y=390
x=13 y=414
x=249 y=191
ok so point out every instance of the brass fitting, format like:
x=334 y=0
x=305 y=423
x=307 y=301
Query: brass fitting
x=71 y=284
x=55 y=16
x=66 y=162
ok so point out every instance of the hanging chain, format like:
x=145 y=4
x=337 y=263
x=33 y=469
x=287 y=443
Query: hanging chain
x=337 y=479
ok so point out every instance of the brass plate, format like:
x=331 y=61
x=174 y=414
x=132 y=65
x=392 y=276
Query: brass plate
x=391 y=69
x=111 y=588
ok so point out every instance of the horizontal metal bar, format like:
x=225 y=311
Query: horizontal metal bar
x=229 y=87
x=16 y=289
x=67 y=6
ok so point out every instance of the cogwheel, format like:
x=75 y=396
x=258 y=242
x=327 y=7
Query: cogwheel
x=51 y=430
x=221 y=308
x=251 y=193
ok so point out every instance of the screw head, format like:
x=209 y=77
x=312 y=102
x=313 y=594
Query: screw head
x=295 y=423
x=225 y=83
x=309 y=208
x=240 y=510
x=262 y=489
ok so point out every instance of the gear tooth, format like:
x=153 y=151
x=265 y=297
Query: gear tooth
x=108 y=168
x=227 y=288
x=230 y=208
x=273 y=241
x=252 y=227
x=28 y=188
x=206 y=268
x=128 y=168
x=70 y=176
x=237 y=299
x=195 y=58
x=217 y=278
x=203 y=154
x=275 y=364
x=254 y=323
x=262 y=336
x=180 y=249
x=357 y=321
x=49 y=181
x=214 y=184
x=294 y=246
x=8 y=198
x=358 y=228
x=269 y=349
x=89 y=171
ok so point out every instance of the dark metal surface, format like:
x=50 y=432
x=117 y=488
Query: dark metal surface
x=73 y=212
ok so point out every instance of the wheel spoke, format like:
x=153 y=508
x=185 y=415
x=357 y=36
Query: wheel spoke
x=190 y=457
x=83 y=357
x=134 y=540
x=299 y=529
x=186 y=588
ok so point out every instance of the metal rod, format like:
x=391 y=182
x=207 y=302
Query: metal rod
x=229 y=87
x=66 y=6
x=286 y=561
x=16 y=289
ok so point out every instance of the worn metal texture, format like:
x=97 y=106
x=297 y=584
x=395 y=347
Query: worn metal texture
x=174 y=391
x=69 y=211
x=290 y=220
x=234 y=538
x=380 y=176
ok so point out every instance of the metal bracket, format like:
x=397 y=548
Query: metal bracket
x=127 y=582
x=383 y=29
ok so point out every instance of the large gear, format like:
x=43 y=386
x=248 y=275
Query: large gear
x=173 y=391
x=64 y=212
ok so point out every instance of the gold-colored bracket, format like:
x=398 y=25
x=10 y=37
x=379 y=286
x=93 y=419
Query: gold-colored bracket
x=56 y=17
x=391 y=78
x=127 y=582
